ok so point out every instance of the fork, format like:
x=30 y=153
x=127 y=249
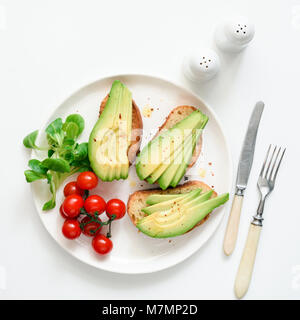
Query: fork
x=265 y=184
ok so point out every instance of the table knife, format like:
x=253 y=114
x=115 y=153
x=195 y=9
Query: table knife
x=244 y=168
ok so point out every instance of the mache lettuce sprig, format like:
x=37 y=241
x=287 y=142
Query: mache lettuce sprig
x=65 y=155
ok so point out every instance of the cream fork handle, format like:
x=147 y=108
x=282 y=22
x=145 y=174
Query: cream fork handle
x=233 y=225
x=244 y=273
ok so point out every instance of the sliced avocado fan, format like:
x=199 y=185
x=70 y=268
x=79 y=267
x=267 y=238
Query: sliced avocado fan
x=165 y=158
x=111 y=135
x=182 y=216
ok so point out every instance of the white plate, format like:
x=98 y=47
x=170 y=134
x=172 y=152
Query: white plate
x=134 y=252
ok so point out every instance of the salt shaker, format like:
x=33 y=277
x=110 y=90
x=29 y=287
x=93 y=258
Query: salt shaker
x=201 y=65
x=234 y=35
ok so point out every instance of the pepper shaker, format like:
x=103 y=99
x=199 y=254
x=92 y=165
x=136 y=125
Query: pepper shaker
x=201 y=65
x=234 y=35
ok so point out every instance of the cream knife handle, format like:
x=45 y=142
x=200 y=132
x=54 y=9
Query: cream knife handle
x=244 y=273
x=233 y=225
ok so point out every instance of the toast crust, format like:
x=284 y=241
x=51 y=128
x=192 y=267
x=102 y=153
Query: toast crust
x=137 y=200
x=180 y=113
x=136 y=129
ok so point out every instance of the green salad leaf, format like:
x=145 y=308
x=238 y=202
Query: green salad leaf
x=71 y=129
x=59 y=165
x=49 y=204
x=52 y=183
x=81 y=151
x=32 y=175
x=65 y=155
x=37 y=166
x=37 y=172
x=75 y=119
x=55 y=134
x=29 y=140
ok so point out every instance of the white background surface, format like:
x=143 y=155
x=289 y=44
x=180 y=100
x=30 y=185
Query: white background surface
x=50 y=49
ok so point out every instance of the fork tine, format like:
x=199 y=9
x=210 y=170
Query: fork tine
x=271 y=173
x=263 y=167
x=270 y=161
x=278 y=165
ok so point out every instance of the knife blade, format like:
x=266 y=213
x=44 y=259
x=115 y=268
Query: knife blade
x=246 y=157
x=244 y=168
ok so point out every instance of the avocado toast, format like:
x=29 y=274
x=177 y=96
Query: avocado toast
x=115 y=138
x=195 y=196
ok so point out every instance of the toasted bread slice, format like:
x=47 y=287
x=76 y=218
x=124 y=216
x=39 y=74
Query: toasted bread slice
x=176 y=115
x=137 y=200
x=136 y=130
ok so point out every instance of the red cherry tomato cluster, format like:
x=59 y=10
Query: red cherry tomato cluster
x=81 y=212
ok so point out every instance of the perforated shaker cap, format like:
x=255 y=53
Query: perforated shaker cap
x=239 y=30
x=234 y=34
x=201 y=65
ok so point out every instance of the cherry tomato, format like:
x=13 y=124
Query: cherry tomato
x=102 y=244
x=87 y=180
x=61 y=211
x=72 y=205
x=71 y=229
x=94 y=203
x=90 y=228
x=72 y=188
x=116 y=207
